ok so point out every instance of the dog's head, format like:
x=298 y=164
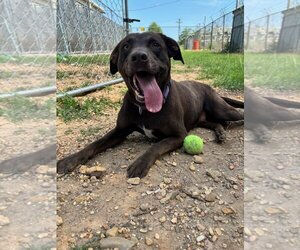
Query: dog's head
x=143 y=60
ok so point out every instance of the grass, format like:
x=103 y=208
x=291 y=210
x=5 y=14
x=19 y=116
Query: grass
x=21 y=108
x=84 y=84
x=90 y=131
x=69 y=108
x=276 y=71
x=28 y=59
x=224 y=69
x=83 y=59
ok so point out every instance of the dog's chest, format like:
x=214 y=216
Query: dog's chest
x=148 y=132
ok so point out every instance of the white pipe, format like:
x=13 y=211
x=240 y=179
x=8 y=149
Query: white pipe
x=77 y=92
x=52 y=89
x=31 y=92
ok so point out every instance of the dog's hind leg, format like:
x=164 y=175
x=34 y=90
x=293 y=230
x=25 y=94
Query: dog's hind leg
x=217 y=128
x=223 y=112
x=261 y=132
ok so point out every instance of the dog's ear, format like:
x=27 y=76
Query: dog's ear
x=113 y=61
x=173 y=48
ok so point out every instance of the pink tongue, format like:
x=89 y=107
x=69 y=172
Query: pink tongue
x=152 y=93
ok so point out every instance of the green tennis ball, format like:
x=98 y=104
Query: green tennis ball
x=193 y=144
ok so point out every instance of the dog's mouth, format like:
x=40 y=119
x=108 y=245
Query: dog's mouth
x=147 y=91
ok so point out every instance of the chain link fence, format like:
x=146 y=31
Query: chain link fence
x=27 y=61
x=87 y=31
x=222 y=34
x=276 y=32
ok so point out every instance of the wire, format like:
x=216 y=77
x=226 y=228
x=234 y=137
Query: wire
x=156 y=5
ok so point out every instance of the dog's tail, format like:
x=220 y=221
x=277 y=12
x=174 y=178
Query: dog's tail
x=233 y=102
x=284 y=103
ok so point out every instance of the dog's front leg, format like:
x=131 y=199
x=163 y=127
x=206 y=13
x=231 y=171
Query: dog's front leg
x=141 y=166
x=111 y=139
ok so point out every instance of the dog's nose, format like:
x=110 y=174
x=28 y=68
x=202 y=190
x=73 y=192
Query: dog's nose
x=139 y=56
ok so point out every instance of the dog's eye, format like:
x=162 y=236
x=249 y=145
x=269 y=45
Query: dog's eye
x=126 y=46
x=155 y=44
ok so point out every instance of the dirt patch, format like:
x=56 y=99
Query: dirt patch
x=89 y=208
x=111 y=202
x=22 y=76
x=272 y=191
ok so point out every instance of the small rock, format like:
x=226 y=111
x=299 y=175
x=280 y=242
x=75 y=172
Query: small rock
x=259 y=231
x=59 y=221
x=42 y=235
x=156 y=236
x=117 y=242
x=143 y=230
x=159 y=163
x=252 y=238
x=198 y=159
x=174 y=220
x=112 y=232
x=163 y=219
x=124 y=166
x=200 y=238
x=214 y=174
x=255 y=175
x=85 y=185
x=4 y=220
x=192 y=167
x=134 y=181
x=200 y=227
x=269 y=245
x=144 y=206
x=227 y=210
x=169 y=197
x=43 y=169
x=211 y=231
x=167 y=180
x=218 y=231
x=46 y=184
x=97 y=171
x=231 y=166
x=272 y=210
x=211 y=197
x=247 y=231
x=148 y=241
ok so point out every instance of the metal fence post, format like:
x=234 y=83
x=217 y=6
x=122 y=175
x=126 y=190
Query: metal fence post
x=248 y=35
x=204 y=38
x=267 y=32
x=223 y=30
x=126 y=17
x=211 y=34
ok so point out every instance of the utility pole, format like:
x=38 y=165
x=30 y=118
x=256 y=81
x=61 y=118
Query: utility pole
x=179 y=27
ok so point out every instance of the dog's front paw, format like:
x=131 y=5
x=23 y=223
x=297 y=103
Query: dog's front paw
x=66 y=165
x=137 y=169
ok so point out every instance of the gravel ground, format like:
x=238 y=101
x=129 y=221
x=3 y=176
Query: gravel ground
x=185 y=202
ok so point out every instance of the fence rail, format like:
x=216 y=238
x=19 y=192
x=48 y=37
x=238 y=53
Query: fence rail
x=87 y=31
x=223 y=33
x=276 y=32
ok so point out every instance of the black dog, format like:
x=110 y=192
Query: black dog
x=155 y=105
x=262 y=113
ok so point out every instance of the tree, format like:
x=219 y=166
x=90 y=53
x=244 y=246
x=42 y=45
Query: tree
x=154 y=27
x=184 y=35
